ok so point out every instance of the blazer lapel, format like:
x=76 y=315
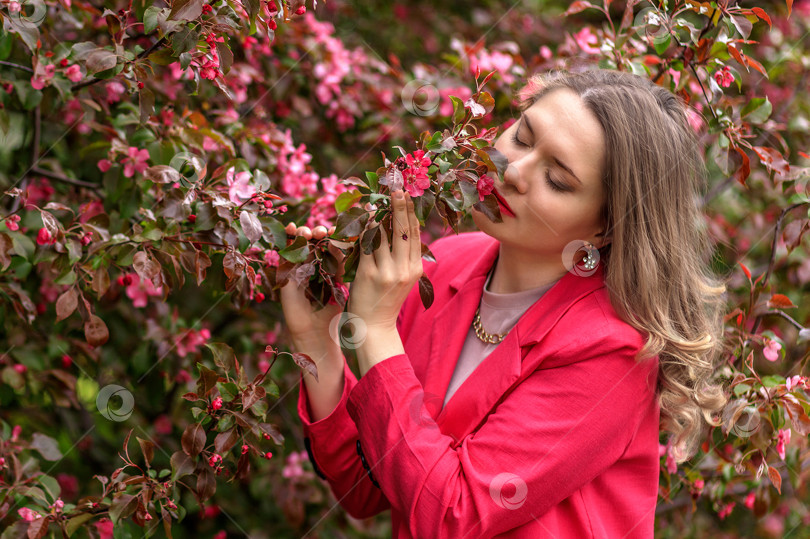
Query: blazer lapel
x=504 y=367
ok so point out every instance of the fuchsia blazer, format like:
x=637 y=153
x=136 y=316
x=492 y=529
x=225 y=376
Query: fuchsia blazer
x=555 y=434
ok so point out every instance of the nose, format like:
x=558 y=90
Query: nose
x=514 y=176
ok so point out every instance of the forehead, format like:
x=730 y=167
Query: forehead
x=562 y=122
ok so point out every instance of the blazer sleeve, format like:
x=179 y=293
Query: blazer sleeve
x=331 y=444
x=555 y=432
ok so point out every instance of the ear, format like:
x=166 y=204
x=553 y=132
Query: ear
x=602 y=239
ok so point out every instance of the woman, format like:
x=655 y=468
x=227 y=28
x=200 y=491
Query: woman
x=527 y=401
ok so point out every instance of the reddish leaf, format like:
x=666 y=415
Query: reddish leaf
x=780 y=301
x=306 y=363
x=145 y=266
x=201 y=262
x=759 y=67
x=38 y=528
x=741 y=58
x=191 y=397
x=206 y=484
x=746 y=271
x=101 y=281
x=251 y=395
x=576 y=7
x=95 y=331
x=759 y=12
x=6 y=245
x=233 y=264
x=772 y=159
x=225 y=441
x=776 y=479
x=123 y=505
x=799 y=418
x=182 y=465
x=193 y=439
x=66 y=304
x=745 y=169
x=148 y=450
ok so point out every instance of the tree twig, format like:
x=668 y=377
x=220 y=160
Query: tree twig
x=61 y=178
x=17 y=66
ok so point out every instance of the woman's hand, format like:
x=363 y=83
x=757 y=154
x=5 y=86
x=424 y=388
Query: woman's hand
x=308 y=326
x=385 y=278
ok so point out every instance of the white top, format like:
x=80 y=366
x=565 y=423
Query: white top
x=499 y=314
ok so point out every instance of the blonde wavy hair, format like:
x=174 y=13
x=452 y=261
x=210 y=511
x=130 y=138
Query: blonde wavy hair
x=657 y=266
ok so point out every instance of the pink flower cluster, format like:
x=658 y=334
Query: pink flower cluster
x=771 y=350
x=485 y=186
x=782 y=439
x=415 y=175
x=191 y=340
x=209 y=68
x=135 y=161
x=139 y=290
x=723 y=77
x=293 y=469
x=239 y=186
x=323 y=210
x=445 y=104
x=43 y=74
x=486 y=61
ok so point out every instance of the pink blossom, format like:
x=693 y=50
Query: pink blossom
x=723 y=77
x=114 y=91
x=68 y=484
x=135 y=161
x=28 y=515
x=271 y=257
x=771 y=350
x=38 y=192
x=672 y=465
x=493 y=61
x=783 y=438
x=415 y=176
x=795 y=381
x=239 y=188
x=104 y=527
x=587 y=41
x=221 y=534
x=58 y=504
x=163 y=424
x=485 y=186
x=209 y=69
x=139 y=290
x=216 y=404
x=446 y=105
x=11 y=222
x=215 y=461
x=74 y=73
x=104 y=165
x=191 y=340
x=14 y=7
x=44 y=237
x=749 y=500
x=293 y=468
x=726 y=510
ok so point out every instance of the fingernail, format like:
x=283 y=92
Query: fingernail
x=398 y=195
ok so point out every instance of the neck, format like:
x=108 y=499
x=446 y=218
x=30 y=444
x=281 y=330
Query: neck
x=519 y=270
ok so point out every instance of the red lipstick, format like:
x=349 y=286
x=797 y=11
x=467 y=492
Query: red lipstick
x=505 y=208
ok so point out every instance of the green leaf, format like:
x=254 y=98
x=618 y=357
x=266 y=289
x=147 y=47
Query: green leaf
x=123 y=505
x=46 y=446
x=373 y=180
x=351 y=223
x=346 y=200
x=757 y=110
x=223 y=355
x=275 y=234
x=51 y=486
x=150 y=19
x=297 y=252
x=185 y=40
x=458 y=109
x=662 y=44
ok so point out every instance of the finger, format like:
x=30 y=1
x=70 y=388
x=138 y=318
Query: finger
x=319 y=232
x=415 y=233
x=401 y=234
x=382 y=254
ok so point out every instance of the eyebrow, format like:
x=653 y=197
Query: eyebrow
x=562 y=165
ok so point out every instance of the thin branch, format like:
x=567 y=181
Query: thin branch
x=17 y=66
x=143 y=54
x=786 y=317
x=776 y=232
x=61 y=178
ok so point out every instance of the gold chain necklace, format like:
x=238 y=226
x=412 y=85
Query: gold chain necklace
x=483 y=335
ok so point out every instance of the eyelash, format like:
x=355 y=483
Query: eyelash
x=550 y=183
